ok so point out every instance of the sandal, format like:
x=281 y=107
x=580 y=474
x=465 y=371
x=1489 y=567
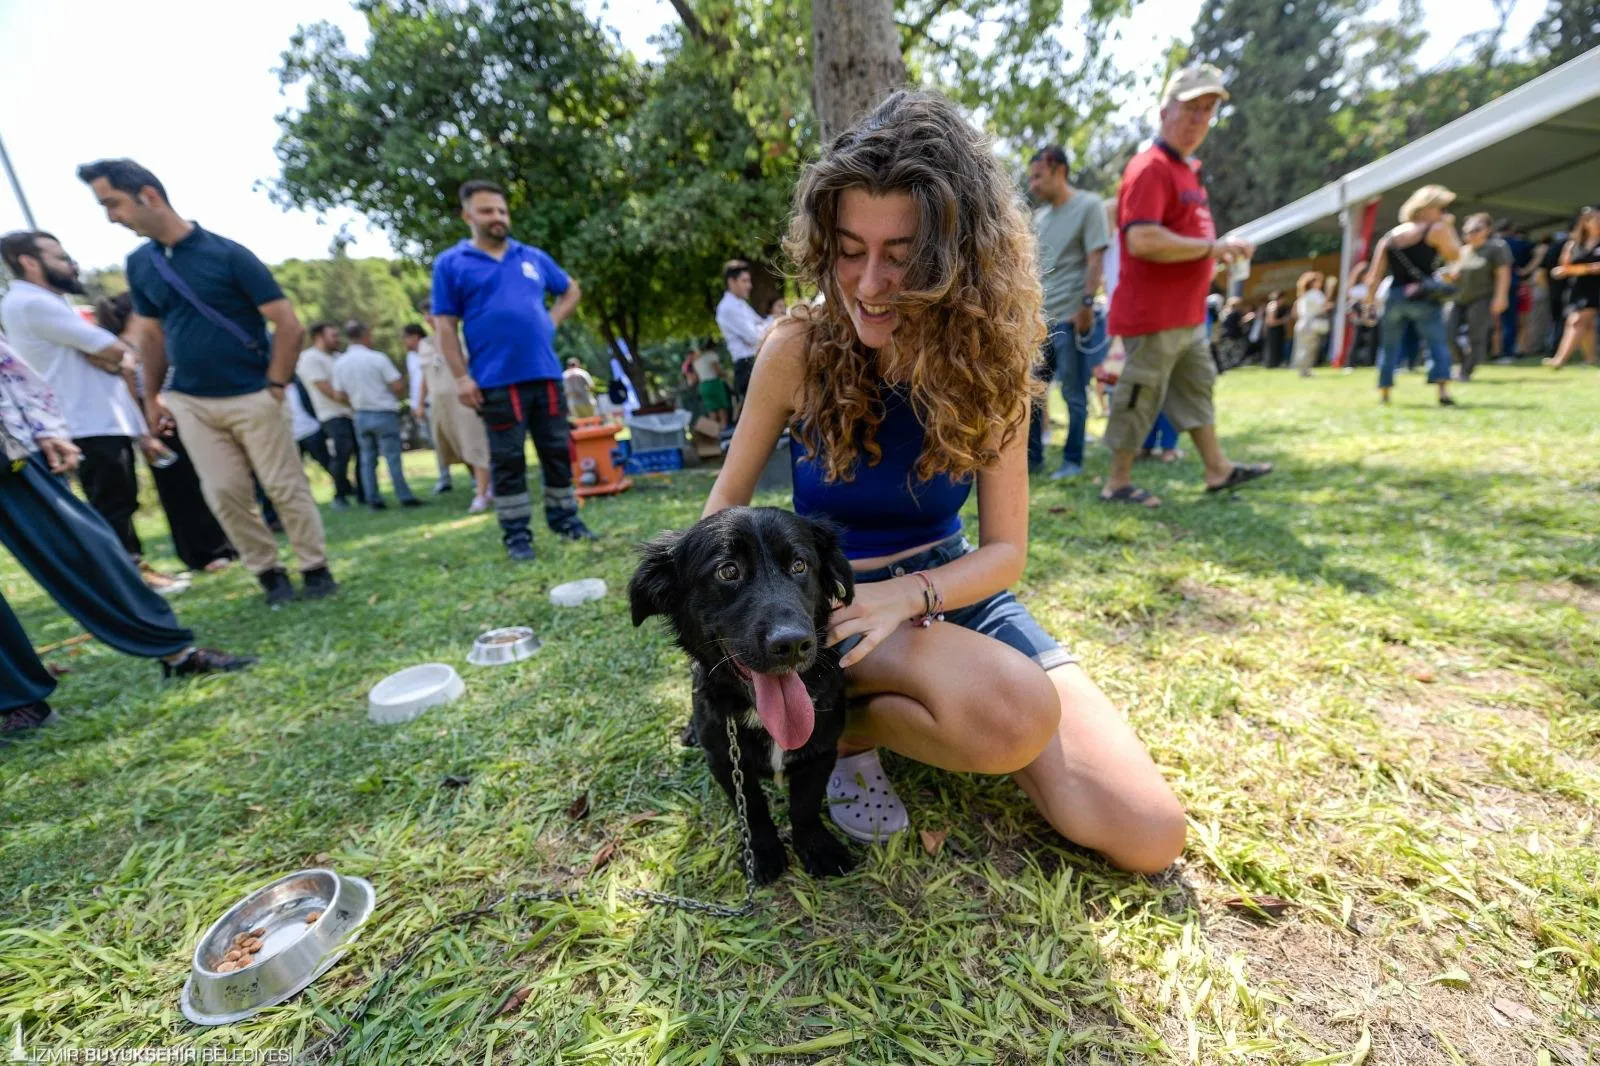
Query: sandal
x=1131 y=494
x=862 y=802
x=1241 y=473
x=1172 y=455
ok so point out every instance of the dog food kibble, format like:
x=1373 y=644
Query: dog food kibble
x=227 y=966
x=311 y=919
x=232 y=956
x=253 y=945
x=258 y=932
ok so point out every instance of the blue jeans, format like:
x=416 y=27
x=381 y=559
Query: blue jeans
x=1070 y=360
x=379 y=431
x=1427 y=318
x=1001 y=616
x=1163 y=435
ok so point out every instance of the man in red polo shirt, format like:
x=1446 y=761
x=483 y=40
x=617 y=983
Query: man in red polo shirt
x=1169 y=251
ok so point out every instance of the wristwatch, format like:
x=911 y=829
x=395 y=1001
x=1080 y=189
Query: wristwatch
x=1088 y=299
x=277 y=384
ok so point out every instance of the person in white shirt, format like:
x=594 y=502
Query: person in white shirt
x=456 y=429
x=315 y=371
x=579 y=386
x=1310 y=322
x=417 y=396
x=368 y=382
x=87 y=368
x=741 y=325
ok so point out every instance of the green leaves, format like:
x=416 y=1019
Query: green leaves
x=640 y=179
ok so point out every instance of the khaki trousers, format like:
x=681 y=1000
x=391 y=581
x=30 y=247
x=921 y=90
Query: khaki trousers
x=1170 y=370
x=228 y=437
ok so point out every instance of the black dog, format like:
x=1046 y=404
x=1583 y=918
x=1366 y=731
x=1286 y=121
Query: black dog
x=748 y=592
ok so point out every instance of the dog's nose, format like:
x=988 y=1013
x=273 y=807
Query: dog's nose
x=790 y=645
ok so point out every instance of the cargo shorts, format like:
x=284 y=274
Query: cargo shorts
x=1170 y=370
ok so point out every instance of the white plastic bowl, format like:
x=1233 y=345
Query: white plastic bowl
x=401 y=697
x=574 y=593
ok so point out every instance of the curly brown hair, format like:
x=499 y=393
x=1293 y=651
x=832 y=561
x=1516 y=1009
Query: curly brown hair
x=971 y=308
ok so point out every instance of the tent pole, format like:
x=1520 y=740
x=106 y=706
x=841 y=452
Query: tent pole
x=16 y=187
x=1347 y=244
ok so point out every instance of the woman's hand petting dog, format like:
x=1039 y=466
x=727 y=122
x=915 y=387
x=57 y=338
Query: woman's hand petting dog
x=879 y=609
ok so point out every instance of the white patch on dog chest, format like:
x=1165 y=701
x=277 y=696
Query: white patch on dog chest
x=774 y=753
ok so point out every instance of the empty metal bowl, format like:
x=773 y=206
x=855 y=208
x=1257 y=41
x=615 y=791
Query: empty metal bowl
x=500 y=646
x=293 y=952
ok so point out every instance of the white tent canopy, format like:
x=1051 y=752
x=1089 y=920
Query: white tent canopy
x=1532 y=156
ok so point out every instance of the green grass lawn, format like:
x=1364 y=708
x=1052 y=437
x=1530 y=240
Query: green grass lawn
x=1372 y=679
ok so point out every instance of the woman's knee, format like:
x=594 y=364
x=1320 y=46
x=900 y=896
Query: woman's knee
x=1019 y=712
x=1149 y=835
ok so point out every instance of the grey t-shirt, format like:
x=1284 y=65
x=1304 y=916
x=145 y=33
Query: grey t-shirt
x=1477 y=266
x=1067 y=234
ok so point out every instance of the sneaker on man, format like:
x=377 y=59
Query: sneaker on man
x=520 y=551
x=22 y=720
x=1067 y=470
x=413 y=502
x=479 y=505
x=317 y=584
x=198 y=661
x=442 y=486
x=276 y=584
x=377 y=505
x=340 y=504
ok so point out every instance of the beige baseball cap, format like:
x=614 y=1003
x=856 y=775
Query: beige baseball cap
x=1200 y=80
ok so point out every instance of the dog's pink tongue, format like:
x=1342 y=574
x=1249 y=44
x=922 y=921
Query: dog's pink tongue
x=785 y=708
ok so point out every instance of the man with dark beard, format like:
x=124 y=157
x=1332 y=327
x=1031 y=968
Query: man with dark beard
x=84 y=366
x=490 y=291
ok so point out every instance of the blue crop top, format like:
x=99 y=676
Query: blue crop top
x=885 y=510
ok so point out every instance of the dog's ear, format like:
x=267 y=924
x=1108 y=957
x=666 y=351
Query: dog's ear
x=838 y=580
x=652 y=587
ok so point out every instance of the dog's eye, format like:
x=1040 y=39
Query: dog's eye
x=728 y=572
x=798 y=567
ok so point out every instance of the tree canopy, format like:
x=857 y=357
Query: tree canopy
x=642 y=178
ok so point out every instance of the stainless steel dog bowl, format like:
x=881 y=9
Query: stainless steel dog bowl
x=500 y=646
x=293 y=952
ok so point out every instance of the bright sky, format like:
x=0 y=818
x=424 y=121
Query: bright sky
x=88 y=78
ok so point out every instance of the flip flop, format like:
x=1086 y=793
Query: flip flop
x=1242 y=472
x=1175 y=456
x=1130 y=494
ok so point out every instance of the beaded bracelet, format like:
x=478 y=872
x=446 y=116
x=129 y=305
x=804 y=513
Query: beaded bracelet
x=932 y=601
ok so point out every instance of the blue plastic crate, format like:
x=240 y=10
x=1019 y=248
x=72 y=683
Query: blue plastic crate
x=655 y=461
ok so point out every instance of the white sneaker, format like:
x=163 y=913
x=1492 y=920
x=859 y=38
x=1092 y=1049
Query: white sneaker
x=480 y=504
x=862 y=802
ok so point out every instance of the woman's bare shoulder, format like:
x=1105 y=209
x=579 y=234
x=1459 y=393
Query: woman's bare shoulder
x=781 y=359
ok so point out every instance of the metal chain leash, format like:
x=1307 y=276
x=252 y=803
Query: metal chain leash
x=331 y=1044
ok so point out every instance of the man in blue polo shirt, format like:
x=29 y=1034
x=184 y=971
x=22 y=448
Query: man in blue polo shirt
x=493 y=288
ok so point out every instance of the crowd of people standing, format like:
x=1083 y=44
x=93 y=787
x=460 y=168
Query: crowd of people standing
x=200 y=368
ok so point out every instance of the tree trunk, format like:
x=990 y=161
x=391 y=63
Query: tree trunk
x=856 y=60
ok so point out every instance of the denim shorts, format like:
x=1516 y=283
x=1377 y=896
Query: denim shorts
x=1000 y=616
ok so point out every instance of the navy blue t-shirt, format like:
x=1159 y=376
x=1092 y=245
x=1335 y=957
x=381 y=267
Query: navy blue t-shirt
x=206 y=359
x=509 y=335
